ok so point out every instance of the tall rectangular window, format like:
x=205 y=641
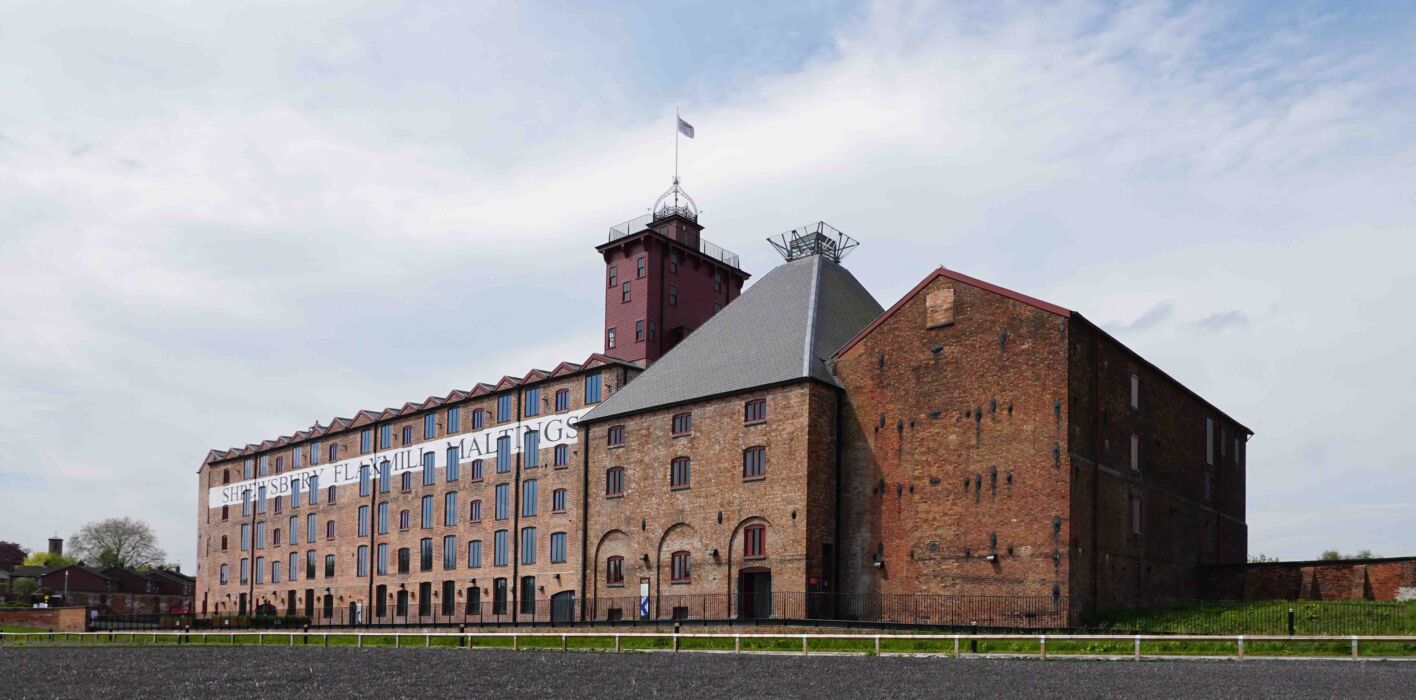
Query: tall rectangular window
x=310 y=565
x=454 y=463
x=261 y=499
x=503 y=505
x=503 y=408
x=247 y=467
x=385 y=476
x=479 y=419
x=366 y=441
x=245 y=571
x=558 y=546
x=528 y=498
x=639 y=331
x=558 y=501
x=361 y=566
x=385 y=437
x=563 y=400
x=1209 y=441
x=754 y=541
x=314 y=453
x=640 y=266
x=363 y=480
x=531 y=456
x=294 y=529
x=532 y=405
x=503 y=454
x=245 y=537
x=754 y=463
x=429 y=468
x=501 y=548
x=528 y=545
x=311 y=528
x=624 y=292
x=363 y=521
x=474 y=510
x=295 y=492
x=427 y=519
x=1135 y=453
x=454 y=420
x=450 y=552
x=1135 y=391
x=382 y=559
x=614 y=481
x=260 y=535
x=476 y=470
x=610 y=337
x=673 y=261
x=612 y=276
x=407 y=435
x=334 y=452
x=679 y=473
x=294 y=567
x=314 y=489
x=383 y=517
x=450 y=510
x=245 y=502
x=474 y=554
x=264 y=465
x=673 y=295
x=592 y=388
x=329 y=566
x=562 y=455
x=425 y=554
x=430 y=426
x=1135 y=514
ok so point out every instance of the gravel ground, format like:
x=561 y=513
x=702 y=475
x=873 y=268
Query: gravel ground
x=453 y=673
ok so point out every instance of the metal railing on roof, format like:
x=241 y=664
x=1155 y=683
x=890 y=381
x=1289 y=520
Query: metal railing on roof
x=641 y=223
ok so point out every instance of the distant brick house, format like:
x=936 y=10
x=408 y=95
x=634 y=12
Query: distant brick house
x=116 y=590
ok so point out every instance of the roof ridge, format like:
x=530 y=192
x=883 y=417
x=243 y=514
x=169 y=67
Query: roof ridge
x=811 y=305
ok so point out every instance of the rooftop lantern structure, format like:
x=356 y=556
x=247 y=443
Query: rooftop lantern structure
x=675 y=201
x=819 y=238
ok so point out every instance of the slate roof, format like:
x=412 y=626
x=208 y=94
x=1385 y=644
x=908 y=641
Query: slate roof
x=783 y=328
x=31 y=571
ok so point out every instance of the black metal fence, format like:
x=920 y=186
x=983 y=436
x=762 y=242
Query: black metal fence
x=982 y=613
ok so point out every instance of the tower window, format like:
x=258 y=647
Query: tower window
x=624 y=292
x=673 y=295
x=639 y=331
x=613 y=277
x=639 y=267
x=610 y=337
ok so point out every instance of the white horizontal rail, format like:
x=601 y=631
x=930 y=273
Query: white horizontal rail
x=467 y=638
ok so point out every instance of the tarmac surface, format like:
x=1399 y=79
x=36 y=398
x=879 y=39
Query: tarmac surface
x=63 y=672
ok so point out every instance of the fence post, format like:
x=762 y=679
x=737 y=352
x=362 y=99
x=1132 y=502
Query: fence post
x=1240 y=655
x=1137 y=656
x=1042 y=647
x=397 y=640
x=359 y=641
x=1290 y=622
x=737 y=643
x=1354 y=647
x=515 y=641
x=427 y=640
x=563 y=647
x=326 y=638
x=877 y=645
x=803 y=645
x=617 y=642
x=956 y=646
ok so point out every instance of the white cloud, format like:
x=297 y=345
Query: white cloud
x=218 y=232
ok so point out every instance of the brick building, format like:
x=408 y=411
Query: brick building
x=790 y=449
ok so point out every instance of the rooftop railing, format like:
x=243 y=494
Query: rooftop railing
x=641 y=223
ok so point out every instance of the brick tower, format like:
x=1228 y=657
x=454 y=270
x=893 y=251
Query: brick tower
x=663 y=280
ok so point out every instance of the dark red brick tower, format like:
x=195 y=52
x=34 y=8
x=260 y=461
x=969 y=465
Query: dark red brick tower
x=663 y=280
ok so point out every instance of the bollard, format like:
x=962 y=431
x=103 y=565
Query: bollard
x=1137 y=656
x=1290 y=622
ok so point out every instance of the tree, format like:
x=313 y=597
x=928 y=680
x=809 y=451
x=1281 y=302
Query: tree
x=1334 y=555
x=126 y=542
x=11 y=555
x=1262 y=559
x=48 y=559
x=24 y=588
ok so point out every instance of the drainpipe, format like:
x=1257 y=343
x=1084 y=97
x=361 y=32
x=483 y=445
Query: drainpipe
x=514 y=585
x=376 y=485
x=584 y=437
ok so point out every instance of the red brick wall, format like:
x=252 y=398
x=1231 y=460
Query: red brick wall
x=1183 y=525
x=1357 y=579
x=654 y=520
x=949 y=445
x=57 y=619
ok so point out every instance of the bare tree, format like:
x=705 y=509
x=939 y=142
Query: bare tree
x=127 y=542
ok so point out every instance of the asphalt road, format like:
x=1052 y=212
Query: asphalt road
x=454 y=673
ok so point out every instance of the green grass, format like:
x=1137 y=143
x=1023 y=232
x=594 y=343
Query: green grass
x=1319 y=618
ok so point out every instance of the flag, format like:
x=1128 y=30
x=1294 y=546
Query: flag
x=685 y=128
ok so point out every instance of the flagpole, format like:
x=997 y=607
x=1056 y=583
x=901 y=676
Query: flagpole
x=676 y=140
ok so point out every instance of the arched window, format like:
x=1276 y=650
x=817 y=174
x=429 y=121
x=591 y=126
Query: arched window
x=333 y=452
x=479 y=417
x=614 y=571
x=679 y=473
x=680 y=569
x=558 y=501
x=476 y=469
x=754 y=463
x=475 y=511
x=403 y=557
x=329 y=529
x=754 y=542
x=614 y=481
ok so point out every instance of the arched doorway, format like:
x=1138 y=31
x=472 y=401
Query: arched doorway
x=755 y=593
x=563 y=607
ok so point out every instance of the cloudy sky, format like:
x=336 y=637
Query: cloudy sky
x=221 y=225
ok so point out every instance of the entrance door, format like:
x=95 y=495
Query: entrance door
x=755 y=594
x=563 y=607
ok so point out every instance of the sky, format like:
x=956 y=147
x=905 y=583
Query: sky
x=220 y=223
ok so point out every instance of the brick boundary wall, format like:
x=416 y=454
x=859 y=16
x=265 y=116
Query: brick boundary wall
x=57 y=619
x=1351 y=579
